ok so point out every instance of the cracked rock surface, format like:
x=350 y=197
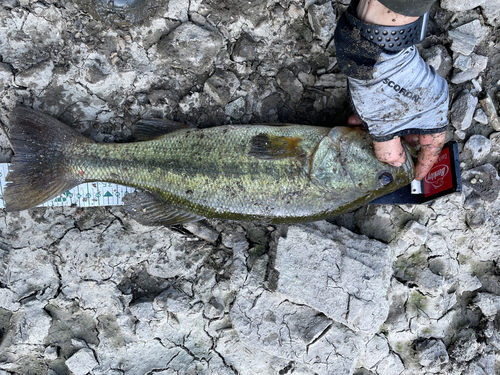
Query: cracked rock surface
x=383 y=290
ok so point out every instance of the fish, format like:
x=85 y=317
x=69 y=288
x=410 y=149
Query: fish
x=265 y=173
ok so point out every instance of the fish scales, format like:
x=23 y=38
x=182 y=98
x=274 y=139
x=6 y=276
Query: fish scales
x=186 y=169
x=264 y=173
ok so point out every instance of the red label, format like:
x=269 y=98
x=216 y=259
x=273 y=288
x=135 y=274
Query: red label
x=439 y=178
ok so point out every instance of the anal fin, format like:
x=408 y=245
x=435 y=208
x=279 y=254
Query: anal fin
x=149 y=209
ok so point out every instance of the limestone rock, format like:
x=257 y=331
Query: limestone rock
x=483 y=181
x=271 y=322
x=178 y=10
x=432 y=355
x=331 y=80
x=236 y=108
x=466 y=347
x=376 y=356
x=33 y=324
x=474 y=28
x=82 y=362
x=489 y=109
x=477 y=66
x=50 y=353
x=323 y=21
x=290 y=84
x=462 y=62
x=6 y=76
x=459 y=6
x=43 y=73
x=30 y=272
x=438 y=57
x=480 y=116
x=488 y=303
x=479 y=146
x=221 y=86
x=462 y=42
x=337 y=272
x=192 y=102
x=462 y=110
x=245 y=49
x=491 y=9
x=190 y=47
x=410 y=239
x=8 y=300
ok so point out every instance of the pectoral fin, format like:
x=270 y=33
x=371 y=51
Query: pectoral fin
x=149 y=209
x=149 y=129
x=267 y=146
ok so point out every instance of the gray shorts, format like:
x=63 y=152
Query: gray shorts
x=405 y=96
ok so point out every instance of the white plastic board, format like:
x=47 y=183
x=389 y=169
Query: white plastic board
x=90 y=194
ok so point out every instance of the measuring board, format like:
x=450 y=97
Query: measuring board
x=90 y=194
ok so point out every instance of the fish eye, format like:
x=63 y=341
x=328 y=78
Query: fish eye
x=385 y=178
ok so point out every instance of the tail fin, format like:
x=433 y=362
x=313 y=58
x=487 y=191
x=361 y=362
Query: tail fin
x=37 y=172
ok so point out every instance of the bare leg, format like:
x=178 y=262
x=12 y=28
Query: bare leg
x=371 y=11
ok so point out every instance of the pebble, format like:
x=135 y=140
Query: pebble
x=462 y=62
x=221 y=86
x=490 y=111
x=322 y=20
x=470 y=68
x=81 y=362
x=477 y=84
x=462 y=43
x=460 y=134
x=121 y=43
x=438 y=57
x=479 y=146
x=462 y=110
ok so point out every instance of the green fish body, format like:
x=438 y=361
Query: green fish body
x=261 y=173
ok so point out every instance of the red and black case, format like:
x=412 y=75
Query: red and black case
x=443 y=179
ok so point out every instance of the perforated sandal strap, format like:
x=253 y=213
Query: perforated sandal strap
x=391 y=38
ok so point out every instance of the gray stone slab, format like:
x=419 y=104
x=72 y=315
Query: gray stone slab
x=342 y=274
x=271 y=322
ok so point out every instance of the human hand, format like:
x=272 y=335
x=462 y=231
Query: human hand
x=392 y=151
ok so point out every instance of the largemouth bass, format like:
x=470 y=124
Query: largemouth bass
x=261 y=173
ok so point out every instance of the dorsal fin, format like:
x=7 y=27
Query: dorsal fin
x=268 y=146
x=152 y=128
x=149 y=209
